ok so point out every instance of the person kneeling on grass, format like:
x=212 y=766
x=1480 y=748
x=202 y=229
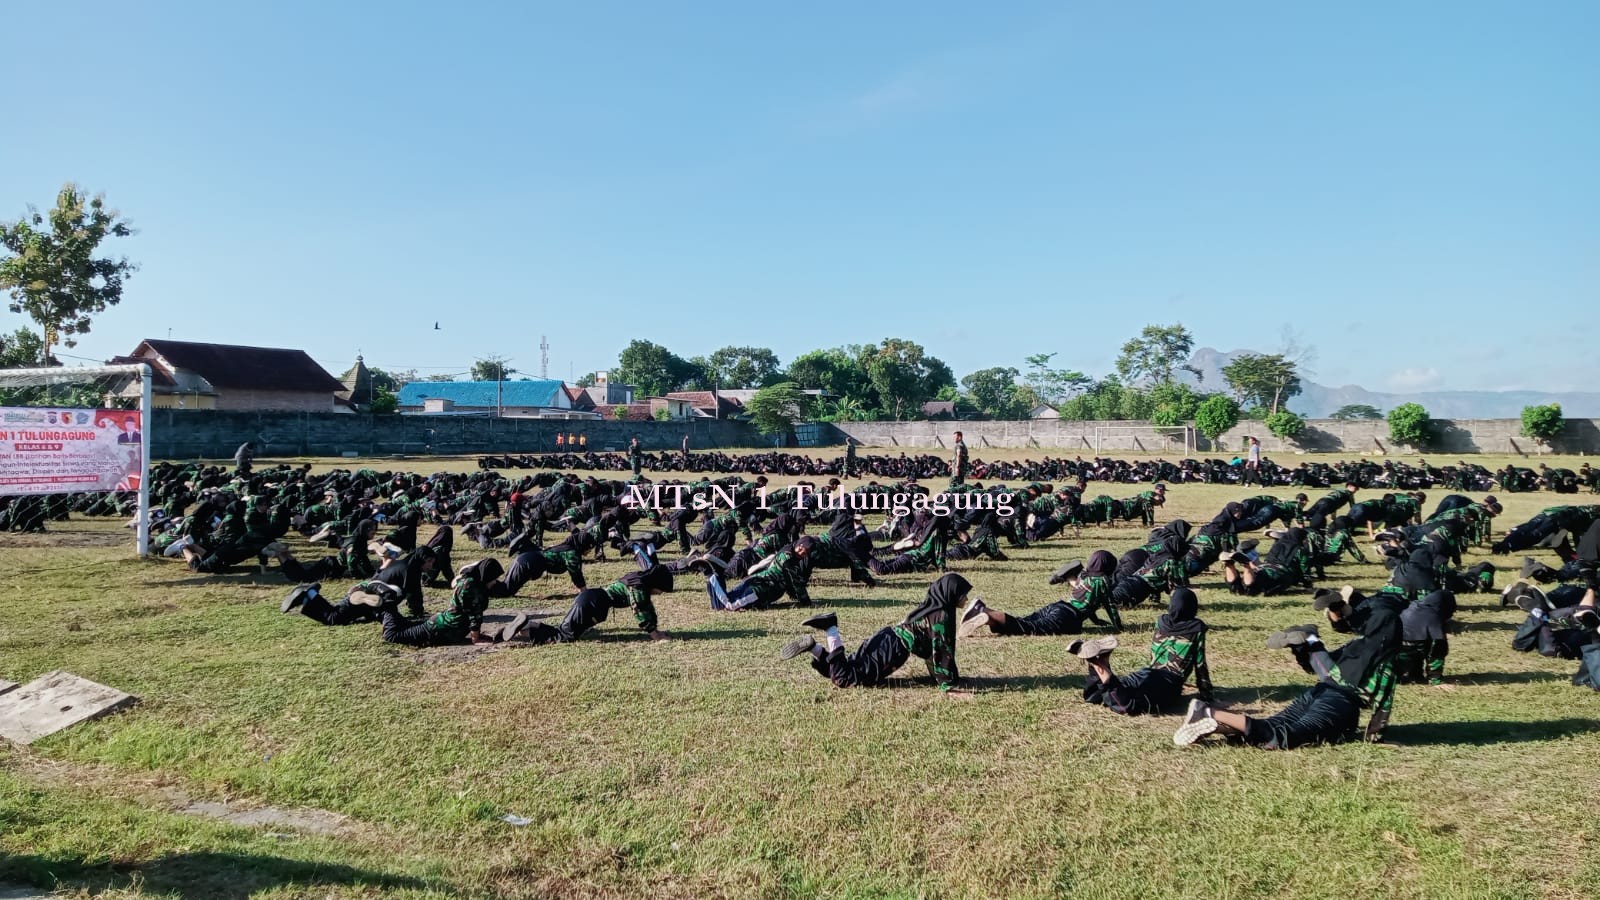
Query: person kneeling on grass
x=928 y=633
x=1091 y=593
x=1177 y=651
x=462 y=623
x=788 y=572
x=1570 y=630
x=1358 y=674
x=593 y=605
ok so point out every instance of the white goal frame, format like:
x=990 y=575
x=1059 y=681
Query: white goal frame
x=78 y=374
x=1168 y=431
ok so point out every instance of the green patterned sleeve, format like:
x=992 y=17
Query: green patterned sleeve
x=644 y=611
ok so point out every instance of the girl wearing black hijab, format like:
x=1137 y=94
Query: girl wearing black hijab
x=593 y=605
x=929 y=633
x=1091 y=594
x=1177 y=651
x=1287 y=565
x=462 y=623
x=1359 y=674
x=1425 y=644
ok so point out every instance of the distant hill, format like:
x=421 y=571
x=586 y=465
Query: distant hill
x=1317 y=401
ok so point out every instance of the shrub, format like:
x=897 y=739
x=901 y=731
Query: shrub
x=1216 y=415
x=1167 y=414
x=1542 y=423
x=1285 y=424
x=1410 y=425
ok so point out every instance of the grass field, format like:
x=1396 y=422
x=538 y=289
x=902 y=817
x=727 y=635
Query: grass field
x=704 y=766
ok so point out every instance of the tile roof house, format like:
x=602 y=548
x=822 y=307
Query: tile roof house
x=192 y=375
x=517 y=399
x=709 y=405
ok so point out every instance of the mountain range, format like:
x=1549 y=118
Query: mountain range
x=1317 y=401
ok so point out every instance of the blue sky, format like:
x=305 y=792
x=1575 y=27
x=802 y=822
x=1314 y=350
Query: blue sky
x=1412 y=187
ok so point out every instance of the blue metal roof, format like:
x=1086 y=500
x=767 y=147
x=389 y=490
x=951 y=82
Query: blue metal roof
x=483 y=394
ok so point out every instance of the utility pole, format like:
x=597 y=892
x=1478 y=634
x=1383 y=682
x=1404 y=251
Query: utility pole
x=544 y=358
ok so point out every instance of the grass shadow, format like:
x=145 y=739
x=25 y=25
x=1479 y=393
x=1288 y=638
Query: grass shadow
x=717 y=634
x=208 y=874
x=1486 y=625
x=1505 y=677
x=1488 y=731
x=1022 y=682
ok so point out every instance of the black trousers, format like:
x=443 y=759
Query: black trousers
x=1144 y=692
x=1326 y=714
x=1528 y=533
x=398 y=629
x=589 y=608
x=899 y=565
x=318 y=609
x=524 y=568
x=1056 y=618
x=871 y=664
x=1130 y=592
x=324 y=569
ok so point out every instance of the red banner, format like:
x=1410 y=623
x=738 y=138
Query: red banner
x=53 y=451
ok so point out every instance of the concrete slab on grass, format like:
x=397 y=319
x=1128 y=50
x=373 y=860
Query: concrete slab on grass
x=7 y=687
x=55 y=701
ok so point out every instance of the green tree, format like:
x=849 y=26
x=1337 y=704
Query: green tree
x=1356 y=411
x=903 y=375
x=1542 y=424
x=1261 y=379
x=492 y=368
x=50 y=269
x=589 y=380
x=652 y=369
x=661 y=415
x=1167 y=414
x=1053 y=386
x=383 y=380
x=775 y=408
x=838 y=372
x=1410 y=425
x=23 y=349
x=743 y=367
x=1156 y=354
x=1215 y=416
x=1285 y=424
x=384 y=401
x=996 y=394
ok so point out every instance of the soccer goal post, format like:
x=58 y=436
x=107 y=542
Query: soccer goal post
x=1145 y=438
x=79 y=430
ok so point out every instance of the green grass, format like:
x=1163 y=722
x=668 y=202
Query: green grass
x=707 y=767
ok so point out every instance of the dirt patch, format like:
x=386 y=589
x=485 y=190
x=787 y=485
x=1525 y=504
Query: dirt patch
x=312 y=821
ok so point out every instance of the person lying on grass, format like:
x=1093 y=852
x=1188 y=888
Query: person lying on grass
x=1091 y=594
x=462 y=623
x=928 y=633
x=1561 y=625
x=1177 y=651
x=593 y=605
x=1356 y=675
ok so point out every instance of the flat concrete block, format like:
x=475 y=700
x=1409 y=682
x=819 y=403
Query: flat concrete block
x=55 y=701
x=7 y=687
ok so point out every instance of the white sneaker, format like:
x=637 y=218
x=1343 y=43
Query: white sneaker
x=1189 y=732
x=176 y=548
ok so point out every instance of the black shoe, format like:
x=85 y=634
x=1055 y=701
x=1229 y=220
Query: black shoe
x=297 y=597
x=796 y=646
x=1529 y=600
x=822 y=621
x=1067 y=572
x=1587 y=617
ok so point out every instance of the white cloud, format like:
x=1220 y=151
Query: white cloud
x=1413 y=379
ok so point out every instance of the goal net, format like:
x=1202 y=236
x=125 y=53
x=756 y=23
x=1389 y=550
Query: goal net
x=75 y=442
x=1145 y=439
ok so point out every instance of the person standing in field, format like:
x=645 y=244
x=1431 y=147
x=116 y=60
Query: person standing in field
x=849 y=457
x=958 y=466
x=635 y=456
x=685 y=452
x=1252 y=463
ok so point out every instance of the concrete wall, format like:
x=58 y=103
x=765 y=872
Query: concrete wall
x=1321 y=435
x=215 y=434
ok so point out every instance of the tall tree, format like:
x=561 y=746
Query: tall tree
x=996 y=394
x=22 y=349
x=1157 y=354
x=652 y=369
x=743 y=367
x=839 y=373
x=50 y=268
x=774 y=409
x=1263 y=380
x=904 y=375
x=1357 y=411
x=492 y=368
x=1051 y=385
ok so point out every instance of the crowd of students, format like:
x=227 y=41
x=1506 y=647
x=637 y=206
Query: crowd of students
x=759 y=550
